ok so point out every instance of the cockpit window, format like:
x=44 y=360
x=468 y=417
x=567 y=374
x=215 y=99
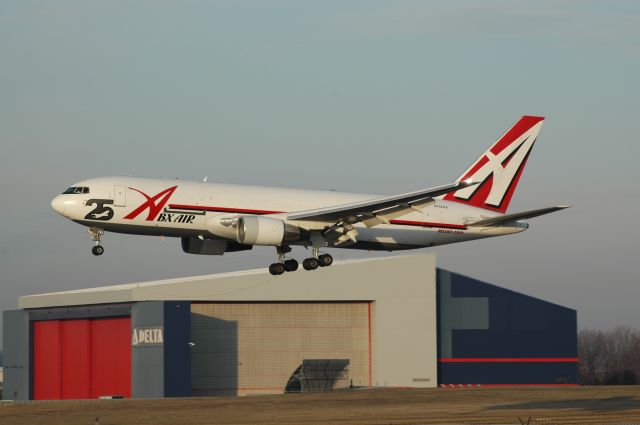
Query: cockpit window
x=75 y=190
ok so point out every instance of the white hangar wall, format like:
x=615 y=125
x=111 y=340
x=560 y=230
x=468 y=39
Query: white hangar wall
x=401 y=290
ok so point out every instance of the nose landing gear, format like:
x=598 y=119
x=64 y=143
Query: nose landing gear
x=95 y=234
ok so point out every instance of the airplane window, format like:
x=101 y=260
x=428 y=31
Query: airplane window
x=76 y=190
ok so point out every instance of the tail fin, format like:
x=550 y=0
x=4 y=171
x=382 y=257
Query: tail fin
x=499 y=168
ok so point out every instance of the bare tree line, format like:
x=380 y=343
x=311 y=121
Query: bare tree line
x=609 y=357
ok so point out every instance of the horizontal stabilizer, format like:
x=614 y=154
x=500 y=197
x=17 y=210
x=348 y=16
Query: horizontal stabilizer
x=501 y=219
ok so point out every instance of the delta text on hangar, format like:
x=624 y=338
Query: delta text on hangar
x=386 y=322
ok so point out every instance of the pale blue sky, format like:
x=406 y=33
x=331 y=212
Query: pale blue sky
x=365 y=96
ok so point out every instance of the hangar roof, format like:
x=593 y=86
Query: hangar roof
x=353 y=280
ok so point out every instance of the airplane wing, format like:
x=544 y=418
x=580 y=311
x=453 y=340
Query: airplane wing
x=501 y=219
x=379 y=207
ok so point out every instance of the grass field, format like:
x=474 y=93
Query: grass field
x=574 y=405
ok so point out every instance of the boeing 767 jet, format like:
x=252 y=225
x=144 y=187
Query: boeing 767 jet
x=213 y=218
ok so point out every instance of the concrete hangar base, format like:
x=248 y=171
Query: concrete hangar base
x=389 y=322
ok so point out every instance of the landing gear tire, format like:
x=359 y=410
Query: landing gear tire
x=276 y=269
x=310 y=263
x=291 y=265
x=325 y=260
x=95 y=233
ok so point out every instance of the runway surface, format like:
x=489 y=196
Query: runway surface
x=505 y=405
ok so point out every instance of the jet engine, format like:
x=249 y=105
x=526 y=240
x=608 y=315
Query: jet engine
x=211 y=246
x=257 y=230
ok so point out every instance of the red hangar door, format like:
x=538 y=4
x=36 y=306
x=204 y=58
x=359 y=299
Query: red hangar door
x=79 y=359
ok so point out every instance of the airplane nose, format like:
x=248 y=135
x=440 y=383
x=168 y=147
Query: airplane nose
x=58 y=204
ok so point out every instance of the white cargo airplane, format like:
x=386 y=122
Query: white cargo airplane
x=216 y=218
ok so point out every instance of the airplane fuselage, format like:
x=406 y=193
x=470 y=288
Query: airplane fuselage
x=179 y=208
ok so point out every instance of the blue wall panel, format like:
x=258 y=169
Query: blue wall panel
x=508 y=373
x=480 y=320
x=177 y=353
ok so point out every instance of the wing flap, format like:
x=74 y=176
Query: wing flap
x=386 y=215
x=389 y=205
x=501 y=219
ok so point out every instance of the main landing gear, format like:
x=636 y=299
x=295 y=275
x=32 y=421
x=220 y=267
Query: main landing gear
x=315 y=261
x=291 y=265
x=95 y=234
x=283 y=265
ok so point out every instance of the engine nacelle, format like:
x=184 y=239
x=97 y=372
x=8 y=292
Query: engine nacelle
x=211 y=246
x=256 y=230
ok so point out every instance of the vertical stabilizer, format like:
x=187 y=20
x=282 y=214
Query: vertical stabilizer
x=499 y=169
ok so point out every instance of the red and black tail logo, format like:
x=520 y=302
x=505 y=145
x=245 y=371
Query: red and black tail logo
x=499 y=169
x=153 y=203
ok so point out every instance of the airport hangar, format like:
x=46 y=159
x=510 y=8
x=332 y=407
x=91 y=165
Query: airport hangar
x=386 y=322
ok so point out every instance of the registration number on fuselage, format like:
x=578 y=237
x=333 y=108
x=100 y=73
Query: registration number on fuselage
x=456 y=232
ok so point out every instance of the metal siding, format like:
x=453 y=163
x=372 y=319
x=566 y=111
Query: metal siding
x=17 y=360
x=76 y=359
x=148 y=362
x=509 y=373
x=111 y=357
x=47 y=360
x=512 y=343
x=519 y=326
x=177 y=352
x=243 y=348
